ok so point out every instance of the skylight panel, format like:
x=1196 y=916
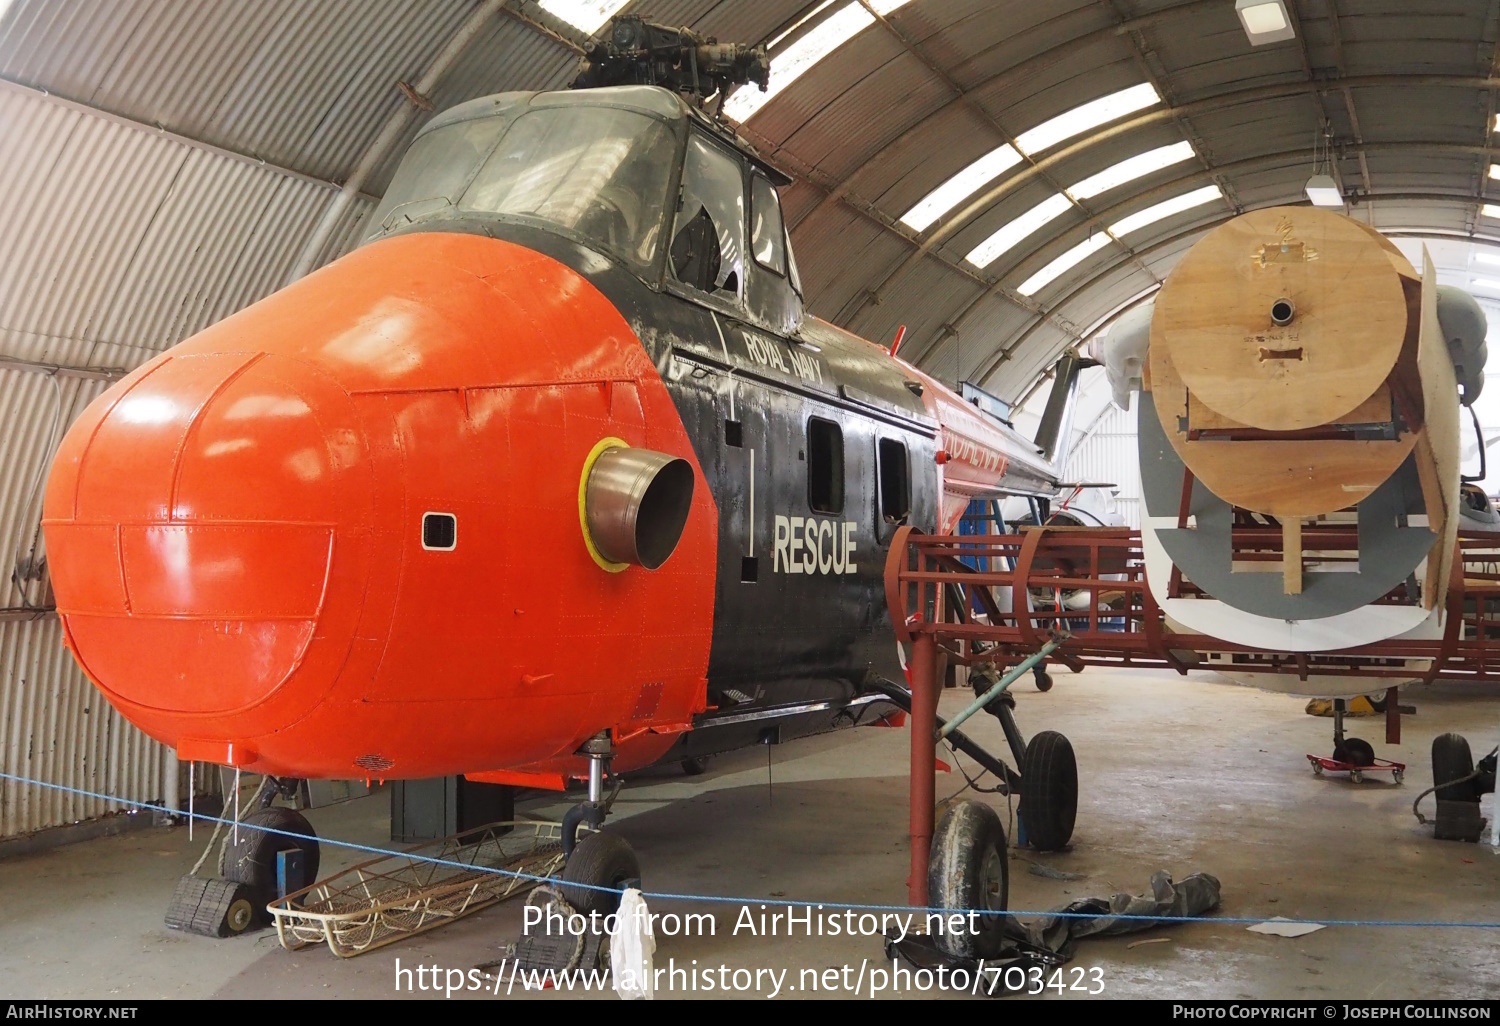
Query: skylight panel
x=1013 y=232
x=1139 y=166
x=587 y=16
x=1089 y=115
x=1490 y=210
x=1176 y=205
x=962 y=185
x=1063 y=264
x=791 y=63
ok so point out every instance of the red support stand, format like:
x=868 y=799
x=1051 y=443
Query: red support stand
x=924 y=695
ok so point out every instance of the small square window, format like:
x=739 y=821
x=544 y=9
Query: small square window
x=749 y=569
x=895 y=481
x=825 y=466
x=734 y=434
x=439 y=532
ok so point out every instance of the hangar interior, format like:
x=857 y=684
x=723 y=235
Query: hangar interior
x=998 y=181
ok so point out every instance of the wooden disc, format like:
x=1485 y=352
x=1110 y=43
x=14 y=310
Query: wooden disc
x=1214 y=317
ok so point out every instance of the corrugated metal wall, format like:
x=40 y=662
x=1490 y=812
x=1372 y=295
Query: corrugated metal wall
x=105 y=273
x=1106 y=454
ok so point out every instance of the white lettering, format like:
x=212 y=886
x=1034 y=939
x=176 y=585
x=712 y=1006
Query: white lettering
x=825 y=559
x=794 y=547
x=780 y=558
x=849 y=547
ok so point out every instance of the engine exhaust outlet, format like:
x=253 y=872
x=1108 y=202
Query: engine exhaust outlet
x=635 y=505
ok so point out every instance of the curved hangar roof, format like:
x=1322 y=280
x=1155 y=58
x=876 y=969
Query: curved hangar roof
x=1000 y=175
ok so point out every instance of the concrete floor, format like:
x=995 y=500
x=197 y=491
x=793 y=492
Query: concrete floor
x=1176 y=774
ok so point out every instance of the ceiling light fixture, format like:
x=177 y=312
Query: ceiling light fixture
x=1490 y=210
x=1265 y=21
x=1323 y=191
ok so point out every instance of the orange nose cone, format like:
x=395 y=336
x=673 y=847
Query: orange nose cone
x=195 y=521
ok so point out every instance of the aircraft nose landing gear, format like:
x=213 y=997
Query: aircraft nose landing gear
x=599 y=865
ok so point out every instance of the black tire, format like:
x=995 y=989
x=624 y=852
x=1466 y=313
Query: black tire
x=969 y=868
x=1355 y=751
x=1049 y=791
x=253 y=860
x=1451 y=759
x=694 y=767
x=1044 y=681
x=598 y=860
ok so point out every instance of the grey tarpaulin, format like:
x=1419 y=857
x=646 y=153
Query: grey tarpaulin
x=1049 y=941
x=1195 y=895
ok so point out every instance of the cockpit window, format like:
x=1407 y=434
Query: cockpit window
x=767 y=236
x=598 y=171
x=708 y=242
x=436 y=169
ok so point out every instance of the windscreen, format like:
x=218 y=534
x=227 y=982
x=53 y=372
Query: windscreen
x=599 y=172
x=436 y=169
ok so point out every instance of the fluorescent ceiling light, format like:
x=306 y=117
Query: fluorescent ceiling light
x=1490 y=210
x=1013 y=232
x=820 y=41
x=1063 y=264
x=1323 y=191
x=1486 y=257
x=1485 y=283
x=1265 y=21
x=1187 y=201
x=1495 y=170
x=1090 y=115
x=585 y=15
x=1129 y=170
x=962 y=185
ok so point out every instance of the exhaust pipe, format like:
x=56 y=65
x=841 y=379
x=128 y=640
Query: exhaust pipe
x=635 y=505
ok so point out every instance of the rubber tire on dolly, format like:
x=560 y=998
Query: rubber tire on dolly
x=599 y=860
x=1354 y=751
x=1452 y=759
x=969 y=868
x=1049 y=791
x=252 y=861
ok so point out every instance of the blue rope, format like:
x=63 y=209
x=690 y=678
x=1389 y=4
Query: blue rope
x=779 y=902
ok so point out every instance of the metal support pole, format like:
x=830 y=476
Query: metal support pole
x=171 y=785
x=924 y=695
x=1011 y=676
x=1392 y=716
x=192 y=766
